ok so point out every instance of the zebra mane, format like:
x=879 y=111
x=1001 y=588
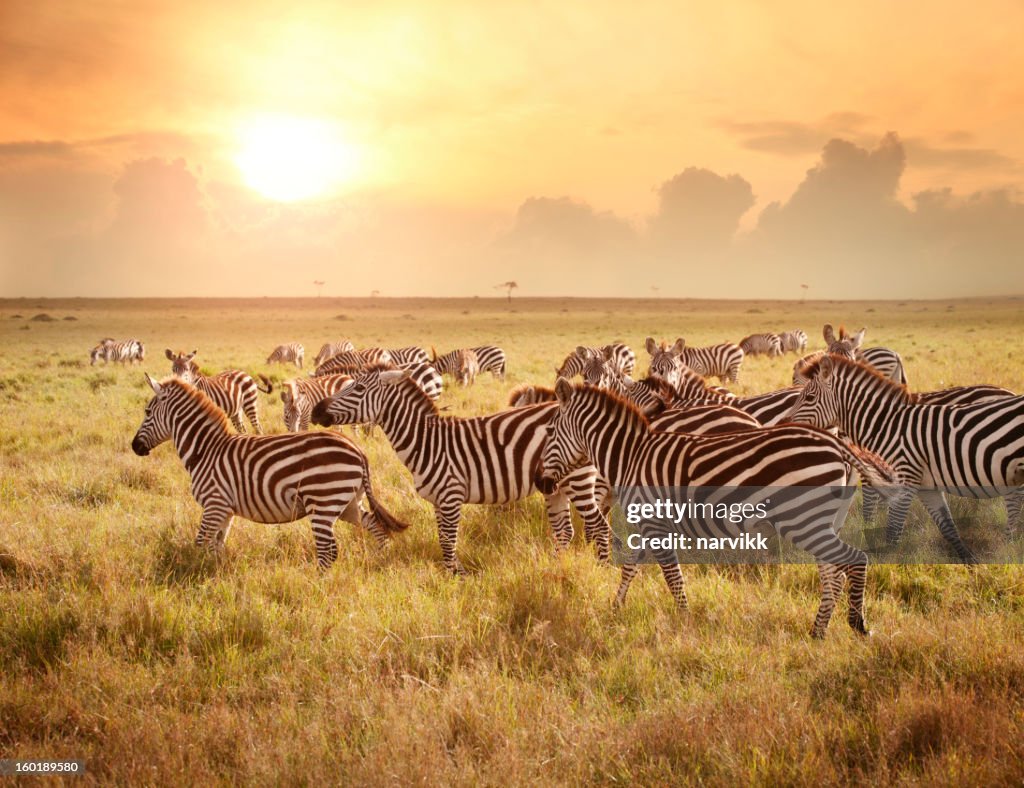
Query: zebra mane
x=865 y=370
x=408 y=385
x=616 y=403
x=658 y=386
x=201 y=401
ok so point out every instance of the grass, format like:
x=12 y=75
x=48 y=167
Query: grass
x=125 y=646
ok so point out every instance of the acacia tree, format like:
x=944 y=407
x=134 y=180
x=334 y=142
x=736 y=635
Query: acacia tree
x=509 y=286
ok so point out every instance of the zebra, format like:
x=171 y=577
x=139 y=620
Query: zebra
x=350 y=361
x=488 y=459
x=128 y=351
x=408 y=355
x=233 y=391
x=795 y=340
x=290 y=353
x=886 y=361
x=467 y=366
x=330 y=349
x=263 y=478
x=722 y=361
x=973 y=450
x=596 y=426
x=761 y=345
x=620 y=356
x=425 y=376
x=490 y=358
x=302 y=394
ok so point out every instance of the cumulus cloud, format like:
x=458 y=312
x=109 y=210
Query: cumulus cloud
x=699 y=211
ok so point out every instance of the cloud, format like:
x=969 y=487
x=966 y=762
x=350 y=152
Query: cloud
x=922 y=154
x=794 y=138
x=699 y=210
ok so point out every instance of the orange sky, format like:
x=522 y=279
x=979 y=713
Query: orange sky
x=455 y=113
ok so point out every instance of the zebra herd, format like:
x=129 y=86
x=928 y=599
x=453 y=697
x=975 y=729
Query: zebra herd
x=848 y=416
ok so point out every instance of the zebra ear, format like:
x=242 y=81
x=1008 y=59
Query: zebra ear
x=858 y=338
x=651 y=345
x=563 y=390
x=153 y=384
x=169 y=354
x=191 y=355
x=829 y=333
x=825 y=367
x=677 y=348
x=582 y=352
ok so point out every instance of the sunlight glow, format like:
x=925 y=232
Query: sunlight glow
x=289 y=159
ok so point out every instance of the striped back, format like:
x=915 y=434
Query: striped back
x=122 y=352
x=761 y=345
x=722 y=361
x=301 y=395
x=330 y=349
x=793 y=341
x=403 y=356
x=290 y=353
x=351 y=361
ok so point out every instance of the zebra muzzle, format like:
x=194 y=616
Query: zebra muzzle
x=139 y=447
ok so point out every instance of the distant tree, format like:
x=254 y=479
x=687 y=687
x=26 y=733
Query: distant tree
x=509 y=286
x=319 y=284
x=374 y=293
x=803 y=296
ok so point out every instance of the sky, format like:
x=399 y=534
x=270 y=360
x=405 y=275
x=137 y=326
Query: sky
x=580 y=147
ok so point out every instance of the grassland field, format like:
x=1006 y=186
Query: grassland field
x=123 y=645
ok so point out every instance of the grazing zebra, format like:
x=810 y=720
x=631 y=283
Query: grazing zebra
x=301 y=395
x=290 y=353
x=620 y=356
x=467 y=366
x=887 y=362
x=761 y=345
x=489 y=357
x=599 y=427
x=331 y=349
x=795 y=340
x=233 y=391
x=350 y=361
x=455 y=461
x=408 y=355
x=722 y=361
x=128 y=351
x=973 y=450
x=263 y=478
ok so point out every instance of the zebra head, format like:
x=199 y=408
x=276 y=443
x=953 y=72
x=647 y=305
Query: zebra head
x=565 y=448
x=597 y=371
x=156 y=424
x=182 y=365
x=666 y=362
x=818 y=404
x=362 y=401
x=573 y=364
x=845 y=345
x=295 y=402
x=98 y=352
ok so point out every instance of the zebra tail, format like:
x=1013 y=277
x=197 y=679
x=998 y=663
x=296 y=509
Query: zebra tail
x=387 y=520
x=266 y=382
x=874 y=470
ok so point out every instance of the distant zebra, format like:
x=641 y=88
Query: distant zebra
x=605 y=430
x=467 y=366
x=350 y=361
x=330 y=349
x=722 y=361
x=761 y=345
x=793 y=341
x=290 y=353
x=973 y=450
x=489 y=459
x=233 y=391
x=128 y=351
x=264 y=478
x=301 y=395
x=408 y=355
x=489 y=358
x=620 y=356
x=885 y=361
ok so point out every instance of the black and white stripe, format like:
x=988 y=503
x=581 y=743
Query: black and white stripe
x=233 y=391
x=794 y=341
x=973 y=450
x=301 y=395
x=490 y=358
x=761 y=345
x=263 y=478
x=722 y=361
x=403 y=356
x=128 y=351
x=597 y=427
x=886 y=362
x=331 y=349
x=619 y=356
x=454 y=461
x=350 y=361
x=290 y=353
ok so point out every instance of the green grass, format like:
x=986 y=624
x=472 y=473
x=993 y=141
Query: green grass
x=122 y=644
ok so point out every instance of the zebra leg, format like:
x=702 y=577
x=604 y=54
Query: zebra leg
x=323 y=535
x=898 y=508
x=236 y=419
x=215 y=519
x=858 y=575
x=869 y=502
x=935 y=502
x=676 y=584
x=1014 y=508
x=448 y=514
x=222 y=532
x=557 y=504
x=831 y=586
x=625 y=578
x=251 y=413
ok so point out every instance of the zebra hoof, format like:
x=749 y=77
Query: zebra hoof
x=818 y=633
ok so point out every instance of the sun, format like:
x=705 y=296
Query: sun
x=290 y=159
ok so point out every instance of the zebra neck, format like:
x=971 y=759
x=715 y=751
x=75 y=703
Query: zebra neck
x=863 y=414
x=196 y=436
x=406 y=421
x=612 y=449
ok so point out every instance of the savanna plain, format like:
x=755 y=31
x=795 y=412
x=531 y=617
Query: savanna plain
x=124 y=645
